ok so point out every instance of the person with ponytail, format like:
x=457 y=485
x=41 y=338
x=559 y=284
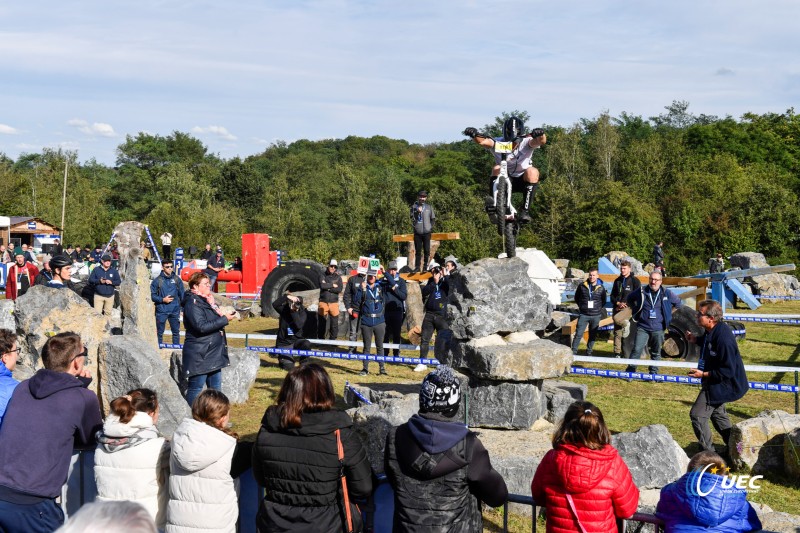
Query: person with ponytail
x=202 y=490
x=132 y=458
x=583 y=482
x=205 y=350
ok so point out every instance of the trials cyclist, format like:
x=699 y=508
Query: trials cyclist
x=523 y=175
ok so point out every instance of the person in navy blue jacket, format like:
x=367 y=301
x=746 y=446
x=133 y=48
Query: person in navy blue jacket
x=652 y=312
x=396 y=293
x=372 y=306
x=722 y=374
x=435 y=295
x=698 y=503
x=591 y=298
x=166 y=291
x=104 y=279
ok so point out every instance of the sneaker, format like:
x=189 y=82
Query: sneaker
x=383 y=372
x=491 y=210
x=363 y=373
x=523 y=217
x=420 y=368
x=618 y=356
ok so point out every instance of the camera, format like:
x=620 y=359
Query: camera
x=436 y=270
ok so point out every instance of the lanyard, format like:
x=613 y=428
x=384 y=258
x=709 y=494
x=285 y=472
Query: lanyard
x=374 y=293
x=650 y=296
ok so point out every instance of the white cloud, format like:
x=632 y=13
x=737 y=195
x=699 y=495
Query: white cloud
x=220 y=131
x=99 y=129
x=8 y=130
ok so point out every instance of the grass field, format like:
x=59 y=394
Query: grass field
x=626 y=406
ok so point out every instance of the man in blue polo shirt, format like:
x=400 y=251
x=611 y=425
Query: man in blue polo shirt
x=652 y=313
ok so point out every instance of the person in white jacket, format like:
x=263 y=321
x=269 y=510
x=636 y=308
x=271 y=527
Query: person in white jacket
x=132 y=458
x=202 y=493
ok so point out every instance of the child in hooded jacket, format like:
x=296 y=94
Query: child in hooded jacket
x=202 y=491
x=697 y=502
x=583 y=482
x=132 y=458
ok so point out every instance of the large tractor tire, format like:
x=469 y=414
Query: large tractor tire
x=300 y=275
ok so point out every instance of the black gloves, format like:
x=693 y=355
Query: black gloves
x=537 y=132
x=470 y=132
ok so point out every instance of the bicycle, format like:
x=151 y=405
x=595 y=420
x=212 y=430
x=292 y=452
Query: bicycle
x=499 y=206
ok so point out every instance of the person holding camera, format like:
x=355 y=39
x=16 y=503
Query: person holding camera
x=434 y=295
x=292 y=320
x=351 y=304
x=372 y=306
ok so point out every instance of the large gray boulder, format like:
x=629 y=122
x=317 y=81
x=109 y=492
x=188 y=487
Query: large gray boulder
x=652 y=455
x=7 y=315
x=636 y=266
x=237 y=379
x=775 y=522
x=757 y=443
x=776 y=285
x=496 y=295
x=373 y=422
x=127 y=362
x=138 y=310
x=791 y=453
x=494 y=359
x=515 y=455
x=505 y=405
x=745 y=260
x=42 y=312
x=559 y=395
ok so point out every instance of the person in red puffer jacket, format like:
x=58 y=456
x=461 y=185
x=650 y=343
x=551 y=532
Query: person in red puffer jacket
x=583 y=482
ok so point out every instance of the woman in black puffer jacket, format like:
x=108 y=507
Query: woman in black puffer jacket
x=205 y=350
x=295 y=458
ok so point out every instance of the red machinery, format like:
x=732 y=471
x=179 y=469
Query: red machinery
x=257 y=262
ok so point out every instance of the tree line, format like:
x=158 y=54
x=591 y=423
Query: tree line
x=702 y=184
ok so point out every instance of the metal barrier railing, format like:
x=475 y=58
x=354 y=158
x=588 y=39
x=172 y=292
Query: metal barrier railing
x=80 y=489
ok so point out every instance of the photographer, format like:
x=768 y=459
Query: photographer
x=434 y=295
x=290 y=328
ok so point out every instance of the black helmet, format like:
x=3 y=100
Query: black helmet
x=60 y=261
x=513 y=127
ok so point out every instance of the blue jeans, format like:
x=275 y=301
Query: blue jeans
x=43 y=517
x=212 y=380
x=585 y=320
x=174 y=326
x=653 y=340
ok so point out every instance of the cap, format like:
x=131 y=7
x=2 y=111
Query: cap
x=18 y=251
x=440 y=392
x=392 y=265
x=422 y=193
x=106 y=257
x=333 y=262
x=434 y=265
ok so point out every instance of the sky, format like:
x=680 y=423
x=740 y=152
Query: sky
x=241 y=75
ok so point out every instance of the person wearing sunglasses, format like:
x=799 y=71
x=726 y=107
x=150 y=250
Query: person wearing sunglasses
x=48 y=415
x=9 y=353
x=167 y=292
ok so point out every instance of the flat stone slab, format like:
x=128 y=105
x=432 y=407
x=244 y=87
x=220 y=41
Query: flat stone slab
x=489 y=359
x=505 y=405
x=559 y=395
